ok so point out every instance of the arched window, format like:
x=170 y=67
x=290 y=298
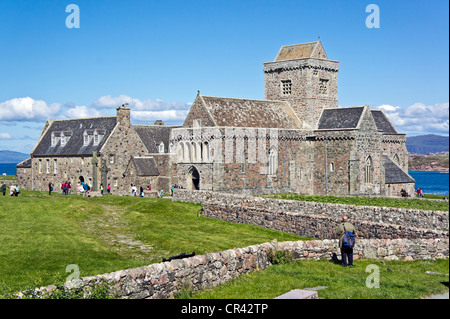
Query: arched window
x=273 y=161
x=181 y=154
x=193 y=152
x=206 y=151
x=331 y=166
x=161 y=147
x=368 y=178
x=396 y=159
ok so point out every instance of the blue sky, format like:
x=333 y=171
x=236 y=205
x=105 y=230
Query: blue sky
x=155 y=55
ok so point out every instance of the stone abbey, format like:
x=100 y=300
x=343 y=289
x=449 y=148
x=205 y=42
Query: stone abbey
x=296 y=140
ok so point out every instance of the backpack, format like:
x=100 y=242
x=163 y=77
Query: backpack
x=349 y=239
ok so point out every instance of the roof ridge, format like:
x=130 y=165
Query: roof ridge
x=238 y=98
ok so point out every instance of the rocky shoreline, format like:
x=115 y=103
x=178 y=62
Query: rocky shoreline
x=429 y=162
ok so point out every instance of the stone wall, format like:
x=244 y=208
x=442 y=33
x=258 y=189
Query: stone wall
x=165 y=280
x=319 y=220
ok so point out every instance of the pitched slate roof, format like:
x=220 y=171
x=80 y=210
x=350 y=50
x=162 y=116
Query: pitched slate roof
x=153 y=135
x=25 y=164
x=393 y=174
x=340 y=118
x=145 y=166
x=296 y=51
x=251 y=113
x=383 y=123
x=76 y=127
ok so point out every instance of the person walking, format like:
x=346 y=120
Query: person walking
x=108 y=189
x=3 y=189
x=101 y=188
x=346 y=252
x=50 y=188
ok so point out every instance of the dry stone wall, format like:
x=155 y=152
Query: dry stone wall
x=165 y=280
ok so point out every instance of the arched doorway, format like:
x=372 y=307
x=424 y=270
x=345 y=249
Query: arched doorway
x=193 y=179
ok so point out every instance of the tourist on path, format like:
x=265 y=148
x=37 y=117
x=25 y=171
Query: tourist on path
x=50 y=188
x=346 y=252
x=3 y=189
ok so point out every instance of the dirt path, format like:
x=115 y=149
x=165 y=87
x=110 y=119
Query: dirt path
x=112 y=228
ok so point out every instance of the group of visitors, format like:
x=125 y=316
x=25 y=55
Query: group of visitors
x=134 y=191
x=419 y=193
x=13 y=190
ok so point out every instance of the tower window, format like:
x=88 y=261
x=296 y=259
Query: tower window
x=323 y=86
x=286 y=87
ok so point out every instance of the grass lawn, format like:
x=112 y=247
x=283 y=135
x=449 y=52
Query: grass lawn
x=41 y=235
x=411 y=203
x=8 y=177
x=407 y=280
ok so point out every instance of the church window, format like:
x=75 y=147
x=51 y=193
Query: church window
x=111 y=159
x=40 y=166
x=396 y=159
x=273 y=161
x=47 y=170
x=368 y=178
x=243 y=162
x=55 y=166
x=161 y=147
x=116 y=182
x=331 y=167
x=286 y=87
x=323 y=86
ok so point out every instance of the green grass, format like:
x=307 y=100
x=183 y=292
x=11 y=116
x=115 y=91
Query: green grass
x=411 y=203
x=8 y=177
x=41 y=235
x=407 y=280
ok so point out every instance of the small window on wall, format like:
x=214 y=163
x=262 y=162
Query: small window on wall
x=368 y=176
x=111 y=159
x=323 y=86
x=161 y=147
x=286 y=87
x=116 y=182
x=331 y=167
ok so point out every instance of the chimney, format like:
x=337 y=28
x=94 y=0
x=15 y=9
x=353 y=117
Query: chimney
x=123 y=116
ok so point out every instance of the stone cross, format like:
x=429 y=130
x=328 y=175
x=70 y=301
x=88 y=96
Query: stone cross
x=94 y=162
x=104 y=170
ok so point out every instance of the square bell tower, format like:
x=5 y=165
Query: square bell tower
x=303 y=75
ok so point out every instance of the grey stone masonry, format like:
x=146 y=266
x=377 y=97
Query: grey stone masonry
x=165 y=280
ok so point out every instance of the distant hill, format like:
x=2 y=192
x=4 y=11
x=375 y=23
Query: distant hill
x=425 y=144
x=12 y=157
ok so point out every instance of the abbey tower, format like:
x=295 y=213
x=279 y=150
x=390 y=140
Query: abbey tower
x=303 y=75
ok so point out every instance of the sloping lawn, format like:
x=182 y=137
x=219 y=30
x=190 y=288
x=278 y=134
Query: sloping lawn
x=41 y=235
x=404 y=280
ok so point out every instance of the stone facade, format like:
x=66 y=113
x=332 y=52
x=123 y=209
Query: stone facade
x=105 y=162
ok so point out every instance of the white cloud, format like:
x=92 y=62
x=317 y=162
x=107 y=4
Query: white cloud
x=147 y=110
x=419 y=118
x=81 y=112
x=27 y=109
x=108 y=101
x=5 y=136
